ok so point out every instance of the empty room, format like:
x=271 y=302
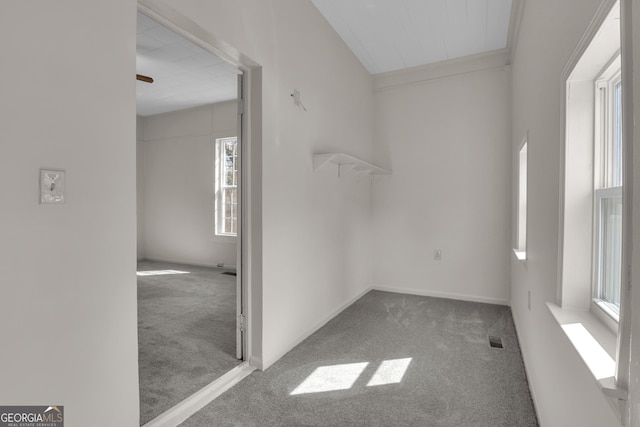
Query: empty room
x=434 y=209
x=186 y=161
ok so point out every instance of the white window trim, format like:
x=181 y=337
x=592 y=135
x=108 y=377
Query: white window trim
x=571 y=305
x=602 y=343
x=522 y=160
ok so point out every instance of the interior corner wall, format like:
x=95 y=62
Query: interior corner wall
x=564 y=391
x=68 y=322
x=178 y=205
x=315 y=227
x=446 y=141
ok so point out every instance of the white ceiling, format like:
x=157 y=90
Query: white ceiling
x=385 y=35
x=185 y=75
x=390 y=35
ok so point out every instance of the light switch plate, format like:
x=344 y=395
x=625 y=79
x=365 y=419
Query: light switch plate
x=52 y=186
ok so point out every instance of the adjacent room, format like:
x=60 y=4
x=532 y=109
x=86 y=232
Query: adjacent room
x=187 y=204
x=428 y=206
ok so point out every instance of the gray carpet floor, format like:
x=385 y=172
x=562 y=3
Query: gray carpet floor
x=186 y=333
x=453 y=378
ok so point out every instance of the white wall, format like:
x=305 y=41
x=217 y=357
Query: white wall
x=68 y=322
x=564 y=390
x=315 y=228
x=67 y=272
x=178 y=185
x=446 y=141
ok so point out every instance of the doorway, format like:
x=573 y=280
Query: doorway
x=189 y=275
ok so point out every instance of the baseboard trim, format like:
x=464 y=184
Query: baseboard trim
x=313 y=329
x=195 y=264
x=267 y=363
x=435 y=294
x=525 y=357
x=257 y=363
x=176 y=415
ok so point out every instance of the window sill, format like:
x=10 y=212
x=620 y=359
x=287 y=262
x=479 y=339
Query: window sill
x=521 y=255
x=605 y=314
x=595 y=343
x=222 y=238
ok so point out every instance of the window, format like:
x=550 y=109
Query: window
x=226 y=184
x=521 y=244
x=607 y=239
x=591 y=209
x=593 y=199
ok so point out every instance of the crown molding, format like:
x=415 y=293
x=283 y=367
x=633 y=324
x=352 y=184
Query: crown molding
x=452 y=67
x=517 y=11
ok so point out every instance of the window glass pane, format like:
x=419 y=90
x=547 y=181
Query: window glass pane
x=227 y=204
x=226 y=186
x=610 y=251
x=230 y=159
x=230 y=210
x=616 y=147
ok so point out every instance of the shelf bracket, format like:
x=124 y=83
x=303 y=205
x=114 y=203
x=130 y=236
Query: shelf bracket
x=347 y=164
x=345 y=168
x=320 y=160
x=375 y=178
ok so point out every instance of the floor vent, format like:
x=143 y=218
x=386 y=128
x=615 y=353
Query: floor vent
x=495 y=342
x=230 y=273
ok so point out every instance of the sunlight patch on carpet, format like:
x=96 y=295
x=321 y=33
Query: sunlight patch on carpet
x=390 y=372
x=331 y=378
x=160 y=272
x=343 y=377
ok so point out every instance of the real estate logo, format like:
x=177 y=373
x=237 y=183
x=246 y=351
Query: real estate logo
x=32 y=416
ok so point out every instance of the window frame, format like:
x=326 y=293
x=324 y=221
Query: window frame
x=522 y=206
x=221 y=187
x=520 y=184
x=607 y=180
x=605 y=83
x=600 y=305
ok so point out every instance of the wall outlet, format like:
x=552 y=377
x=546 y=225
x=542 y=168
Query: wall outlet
x=52 y=185
x=437 y=255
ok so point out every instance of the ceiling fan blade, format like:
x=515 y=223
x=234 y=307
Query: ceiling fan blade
x=144 y=78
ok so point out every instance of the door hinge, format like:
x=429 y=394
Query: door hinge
x=241 y=322
x=240 y=106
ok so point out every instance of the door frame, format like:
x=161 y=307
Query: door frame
x=250 y=230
